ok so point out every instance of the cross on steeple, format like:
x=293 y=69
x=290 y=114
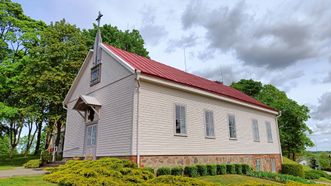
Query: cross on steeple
x=99 y=18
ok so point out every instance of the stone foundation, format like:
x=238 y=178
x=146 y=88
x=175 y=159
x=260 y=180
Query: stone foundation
x=156 y=161
x=185 y=160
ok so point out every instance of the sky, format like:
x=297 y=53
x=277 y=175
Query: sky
x=285 y=43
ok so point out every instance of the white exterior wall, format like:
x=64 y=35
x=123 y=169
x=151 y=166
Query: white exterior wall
x=157 y=122
x=115 y=93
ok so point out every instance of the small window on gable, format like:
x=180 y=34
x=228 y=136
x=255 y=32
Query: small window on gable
x=180 y=123
x=209 y=124
x=269 y=132
x=255 y=128
x=232 y=126
x=95 y=74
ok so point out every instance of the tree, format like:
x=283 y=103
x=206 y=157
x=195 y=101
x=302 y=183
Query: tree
x=292 y=127
x=4 y=145
x=324 y=160
x=130 y=41
x=18 y=34
x=249 y=87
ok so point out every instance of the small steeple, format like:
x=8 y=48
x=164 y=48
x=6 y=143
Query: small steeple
x=97 y=41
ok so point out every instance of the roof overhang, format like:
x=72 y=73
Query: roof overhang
x=84 y=102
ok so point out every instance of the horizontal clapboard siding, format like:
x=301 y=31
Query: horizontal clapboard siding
x=115 y=93
x=156 y=126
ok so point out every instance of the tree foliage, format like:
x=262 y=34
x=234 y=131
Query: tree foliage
x=127 y=40
x=38 y=63
x=292 y=122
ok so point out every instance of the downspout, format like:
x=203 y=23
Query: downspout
x=280 y=147
x=137 y=118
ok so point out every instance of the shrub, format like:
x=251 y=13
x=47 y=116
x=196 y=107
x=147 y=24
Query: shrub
x=178 y=181
x=105 y=171
x=230 y=169
x=191 y=171
x=177 y=171
x=239 y=168
x=283 y=178
x=293 y=169
x=149 y=169
x=212 y=170
x=32 y=164
x=202 y=170
x=163 y=171
x=315 y=174
x=246 y=169
x=221 y=169
x=46 y=156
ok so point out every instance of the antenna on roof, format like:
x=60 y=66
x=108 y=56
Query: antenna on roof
x=185 y=60
x=221 y=72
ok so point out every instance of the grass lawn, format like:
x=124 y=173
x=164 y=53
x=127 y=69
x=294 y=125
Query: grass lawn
x=6 y=167
x=17 y=161
x=25 y=181
x=237 y=180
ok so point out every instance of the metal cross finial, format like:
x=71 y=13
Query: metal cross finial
x=99 y=18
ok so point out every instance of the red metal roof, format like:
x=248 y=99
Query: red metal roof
x=157 y=69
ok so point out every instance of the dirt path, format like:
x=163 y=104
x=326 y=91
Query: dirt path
x=20 y=171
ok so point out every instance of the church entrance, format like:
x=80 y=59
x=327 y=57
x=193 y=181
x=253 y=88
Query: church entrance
x=90 y=141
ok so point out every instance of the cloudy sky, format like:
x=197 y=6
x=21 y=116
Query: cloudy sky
x=286 y=43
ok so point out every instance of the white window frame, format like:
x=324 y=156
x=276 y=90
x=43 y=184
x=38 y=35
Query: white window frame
x=211 y=125
x=269 y=132
x=89 y=138
x=235 y=127
x=184 y=134
x=255 y=129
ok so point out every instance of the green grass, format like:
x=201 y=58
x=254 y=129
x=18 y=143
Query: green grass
x=6 y=167
x=16 y=161
x=237 y=180
x=25 y=181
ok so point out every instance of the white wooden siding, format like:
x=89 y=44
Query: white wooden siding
x=115 y=93
x=156 y=125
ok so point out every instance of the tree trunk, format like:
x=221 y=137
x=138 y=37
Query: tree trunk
x=39 y=128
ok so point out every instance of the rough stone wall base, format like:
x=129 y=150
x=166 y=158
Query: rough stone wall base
x=156 y=161
x=186 y=160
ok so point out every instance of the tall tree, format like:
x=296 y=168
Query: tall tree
x=292 y=123
x=54 y=65
x=130 y=41
x=18 y=34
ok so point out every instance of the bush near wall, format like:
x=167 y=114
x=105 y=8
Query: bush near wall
x=230 y=169
x=212 y=170
x=239 y=168
x=202 y=170
x=33 y=164
x=221 y=169
x=191 y=171
x=177 y=171
x=246 y=169
x=293 y=169
x=163 y=171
